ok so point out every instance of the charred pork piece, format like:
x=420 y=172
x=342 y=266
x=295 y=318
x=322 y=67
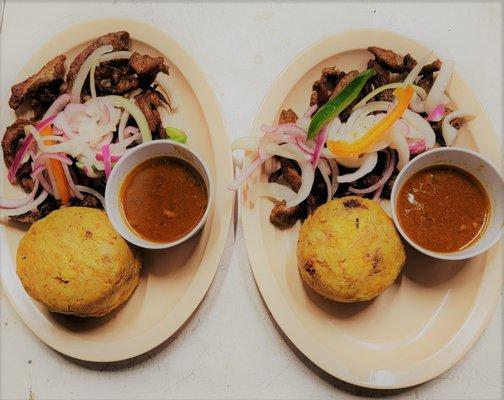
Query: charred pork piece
x=291 y=173
x=392 y=61
x=147 y=67
x=12 y=140
x=87 y=201
x=114 y=77
x=323 y=88
x=41 y=88
x=284 y=217
x=23 y=177
x=148 y=102
x=118 y=40
x=431 y=68
x=287 y=117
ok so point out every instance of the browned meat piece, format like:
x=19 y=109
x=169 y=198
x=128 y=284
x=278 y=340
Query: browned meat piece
x=48 y=206
x=392 y=61
x=382 y=76
x=323 y=88
x=118 y=40
x=408 y=63
x=42 y=87
x=426 y=82
x=287 y=116
x=12 y=140
x=148 y=102
x=284 y=217
x=366 y=181
x=431 y=68
x=275 y=175
x=115 y=77
x=23 y=177
x=291 y=173
x=147 y=65
x=88 y=201
x=387 y=189
x=387 y=58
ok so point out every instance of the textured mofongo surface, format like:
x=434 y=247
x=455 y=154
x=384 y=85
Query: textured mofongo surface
x=231 y=348
x=74 y=262
x=349 y=250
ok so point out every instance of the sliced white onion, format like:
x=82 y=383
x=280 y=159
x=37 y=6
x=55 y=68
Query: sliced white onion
x=448 y=131
x=58 y=105
x=71 y=183
x=273 y=191
x=416 y=70
x=419 y=124
x=130 y=106
x=16 y=203
x=115 y=55
x=435 y=95
x=401 y=145
x=32 y=205
x=86 y=189
x=417 y=104
x=334 y=176
x=307 y=178
x=334 y=128
x=81 y=76
x=122 y=125
x=369 y=162
x=247 y=143
x=419 y=90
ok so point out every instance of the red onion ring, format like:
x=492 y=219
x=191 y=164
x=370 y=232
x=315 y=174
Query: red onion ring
x=387 y=173
x=37 y=174
x=319 y=145
x=71 y=183
x=16 y=163
x=56 y=156
x=106 y=160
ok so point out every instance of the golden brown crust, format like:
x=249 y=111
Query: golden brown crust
x=349 y=250
x=52 y=72
x=74 y=262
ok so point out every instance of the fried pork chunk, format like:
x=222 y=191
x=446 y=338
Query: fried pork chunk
x=42 y=88
x=118 y=40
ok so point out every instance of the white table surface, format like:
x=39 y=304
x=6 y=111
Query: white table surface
x=231 y=347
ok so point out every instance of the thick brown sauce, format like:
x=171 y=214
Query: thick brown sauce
x=163 y=199
x=443 y=208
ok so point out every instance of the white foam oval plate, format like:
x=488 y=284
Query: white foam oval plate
x=430 y=317
x=173 y=281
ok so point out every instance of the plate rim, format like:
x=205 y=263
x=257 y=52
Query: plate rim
x=182 y=311
x=277 y=304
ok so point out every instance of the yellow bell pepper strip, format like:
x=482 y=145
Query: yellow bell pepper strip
x=55 y=169
x=336 y=105
x=344 y=149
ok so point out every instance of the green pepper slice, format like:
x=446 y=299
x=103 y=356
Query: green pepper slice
x=336 y=105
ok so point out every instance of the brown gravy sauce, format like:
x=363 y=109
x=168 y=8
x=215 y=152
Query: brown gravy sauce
x=163 y=198
x=443 y=208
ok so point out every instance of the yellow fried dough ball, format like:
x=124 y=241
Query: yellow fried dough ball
x=74 y=262
x=349 y=250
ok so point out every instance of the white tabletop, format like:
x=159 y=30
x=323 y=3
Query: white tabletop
x=231 y=348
